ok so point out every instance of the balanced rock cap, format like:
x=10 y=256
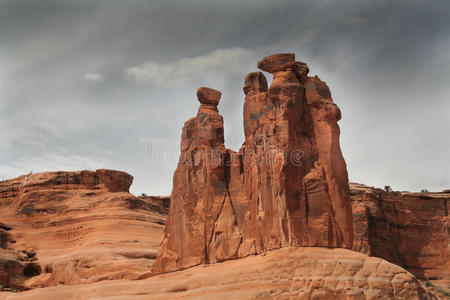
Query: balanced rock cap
x=276 y=62
x=208 y=96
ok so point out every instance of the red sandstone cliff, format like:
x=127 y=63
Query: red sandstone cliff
x=75 y=227
x=408 y=229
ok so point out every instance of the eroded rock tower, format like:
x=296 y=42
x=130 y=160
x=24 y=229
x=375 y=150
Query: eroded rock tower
x=287 y=185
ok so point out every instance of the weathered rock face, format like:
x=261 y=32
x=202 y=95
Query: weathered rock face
x=199 y=187
x=289 y=273
x=287 y=186
x=158 y=204
x=75 y=227
x=15 y=266
x=408 y=229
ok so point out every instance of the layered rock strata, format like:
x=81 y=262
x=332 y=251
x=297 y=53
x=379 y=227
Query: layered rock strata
x=289 y=273
x=408 y=229
x=64 y=228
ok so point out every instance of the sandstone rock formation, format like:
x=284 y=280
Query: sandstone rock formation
x=408 y=229
x=287 y=186
x=284 y=195
x=86 y=242
x=289 y=273
x=75 y=227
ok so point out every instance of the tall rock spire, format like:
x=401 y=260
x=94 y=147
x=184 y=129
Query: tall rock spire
x=287 y=186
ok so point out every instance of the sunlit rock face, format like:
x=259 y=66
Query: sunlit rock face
x=67 y=228
x=287 y=185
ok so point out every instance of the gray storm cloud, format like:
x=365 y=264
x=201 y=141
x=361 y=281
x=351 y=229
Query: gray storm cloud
x=109 y=84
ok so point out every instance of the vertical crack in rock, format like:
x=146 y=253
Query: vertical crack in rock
x=287 y=185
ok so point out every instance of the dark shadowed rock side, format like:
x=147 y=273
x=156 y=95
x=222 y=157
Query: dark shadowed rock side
x=287 y=185
x=408 y=229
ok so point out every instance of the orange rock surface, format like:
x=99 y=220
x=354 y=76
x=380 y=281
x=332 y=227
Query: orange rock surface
x=408 y=229
x=90 y=243
x=288 y=273
x=287 y=186
x=75 y=227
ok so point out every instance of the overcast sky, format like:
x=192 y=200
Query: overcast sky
x=109 y=84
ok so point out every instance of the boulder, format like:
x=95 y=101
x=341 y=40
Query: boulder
x=208 y=96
